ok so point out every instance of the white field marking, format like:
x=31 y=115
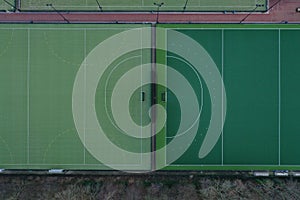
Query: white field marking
x=28 y=95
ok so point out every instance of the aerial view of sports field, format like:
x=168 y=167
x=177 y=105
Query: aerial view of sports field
x=258 y=66
x=143 y=5
x=143 y=98
x=159 y=99
x=39 y=67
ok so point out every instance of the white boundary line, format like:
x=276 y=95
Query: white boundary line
x=28 y=95
x=279 y=98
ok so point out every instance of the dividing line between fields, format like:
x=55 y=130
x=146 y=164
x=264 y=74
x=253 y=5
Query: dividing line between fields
x=279 y=97
x=222 y=97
